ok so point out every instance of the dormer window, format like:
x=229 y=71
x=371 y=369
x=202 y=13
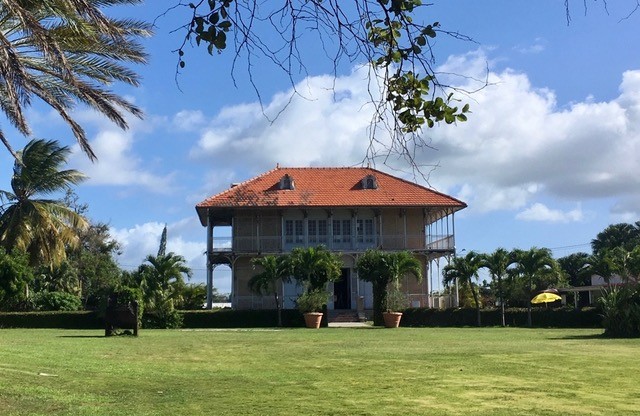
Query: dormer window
x=287 y=182
x=369 y=182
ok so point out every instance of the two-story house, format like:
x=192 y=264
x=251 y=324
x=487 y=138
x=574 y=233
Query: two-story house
x=348 y=210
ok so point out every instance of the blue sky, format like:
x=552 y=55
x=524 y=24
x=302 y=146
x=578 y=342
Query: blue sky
x=548 y=158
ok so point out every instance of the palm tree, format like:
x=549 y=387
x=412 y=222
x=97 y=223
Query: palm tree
x=464 y=270
x=497 y=263
x=530 y=265
x=161 y=279
x=43 y=228
x=623 y=235
x=274 y=269
x=314 y=267
x=576 y=267
x=383 y=269
x=63 y=52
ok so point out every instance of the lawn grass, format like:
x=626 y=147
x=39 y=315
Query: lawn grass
x=331 y=371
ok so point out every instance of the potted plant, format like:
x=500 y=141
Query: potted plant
x=396 y=302
x=310 y=303
x=385 y=270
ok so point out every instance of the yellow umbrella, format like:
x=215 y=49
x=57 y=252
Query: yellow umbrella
x=545 y=298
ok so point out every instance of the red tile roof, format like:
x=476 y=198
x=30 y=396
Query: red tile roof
x=327 y=187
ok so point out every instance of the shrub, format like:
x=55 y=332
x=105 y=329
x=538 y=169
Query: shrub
x=312 y=301
x=621 y=312
x=162 y=318
x=56 y=301
x=397 y=301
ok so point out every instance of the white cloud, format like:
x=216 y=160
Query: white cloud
x=189 y=120
x=185 y=237
x=538 y=46
x=143 y=239
x=486 y=198
x=117 y=164
x=325 y=123
x=517 y=146
x=517 y=136
x=540 y=212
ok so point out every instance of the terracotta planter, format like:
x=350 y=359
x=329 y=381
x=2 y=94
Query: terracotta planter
x=391 y=319
x=313 y=319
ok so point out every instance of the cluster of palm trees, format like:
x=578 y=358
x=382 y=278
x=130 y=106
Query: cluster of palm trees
x=311 y=267
x=314 y=267
x=515 y=275
x=518 y=274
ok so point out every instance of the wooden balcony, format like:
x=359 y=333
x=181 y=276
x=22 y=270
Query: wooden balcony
x=275 y=244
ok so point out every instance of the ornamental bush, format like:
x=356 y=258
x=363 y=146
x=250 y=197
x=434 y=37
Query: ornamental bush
x=621 y=312
x=56 y=301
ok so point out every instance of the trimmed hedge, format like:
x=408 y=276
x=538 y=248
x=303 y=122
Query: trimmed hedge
x=216 y=318
x=540 y=317
x=229 y=318
x=52 y=319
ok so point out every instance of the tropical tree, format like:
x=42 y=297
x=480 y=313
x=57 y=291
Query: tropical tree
x=531 y=266
x=383 y=269
x=314 y=267
x=15 y=278
x=162 y=280
x=61 y=278
x=43 y=228
x=626 y=236
x=93 y=260
x=576 y=268
x=63 y=52
x=193 y=297
x=97 y=270
x=464 y=270
x=274 y=269
x=497 y=263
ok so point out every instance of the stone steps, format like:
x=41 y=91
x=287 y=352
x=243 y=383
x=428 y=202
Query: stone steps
x=342 y=315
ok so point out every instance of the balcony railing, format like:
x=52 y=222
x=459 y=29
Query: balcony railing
x=274 y=244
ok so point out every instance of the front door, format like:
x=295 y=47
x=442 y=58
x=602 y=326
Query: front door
x=342 y=291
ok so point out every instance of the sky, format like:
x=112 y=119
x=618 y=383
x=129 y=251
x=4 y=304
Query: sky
x=548 y=158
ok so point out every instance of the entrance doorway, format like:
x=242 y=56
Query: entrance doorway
x=342 y=291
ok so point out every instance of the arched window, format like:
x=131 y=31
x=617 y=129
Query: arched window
x=369 y=182
x=287 y=182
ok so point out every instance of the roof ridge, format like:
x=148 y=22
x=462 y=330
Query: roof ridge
x=322 y=167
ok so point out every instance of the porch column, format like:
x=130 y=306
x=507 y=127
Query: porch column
x=258 y=242
x=427 y=280
x=209 y=263
x=330 y=223
x=404 y=224
x=354 y=229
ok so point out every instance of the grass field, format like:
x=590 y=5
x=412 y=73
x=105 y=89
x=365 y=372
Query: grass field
x=331 y=371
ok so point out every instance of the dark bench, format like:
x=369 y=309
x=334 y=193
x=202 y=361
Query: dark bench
x=120 y=316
